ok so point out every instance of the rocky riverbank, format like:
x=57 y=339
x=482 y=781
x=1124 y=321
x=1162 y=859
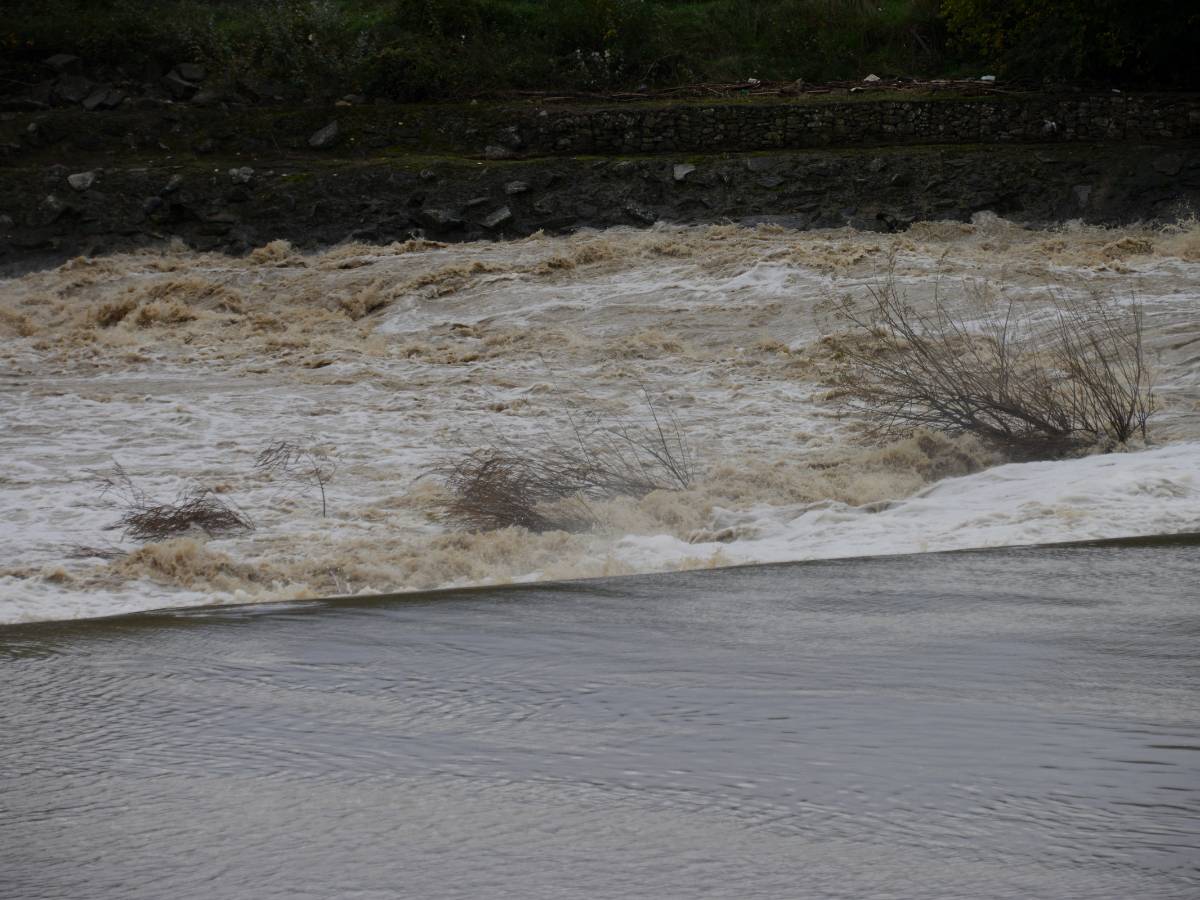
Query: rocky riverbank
x=230 y=179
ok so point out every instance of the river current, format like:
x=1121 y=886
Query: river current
x=988 y=724
x=387 y=361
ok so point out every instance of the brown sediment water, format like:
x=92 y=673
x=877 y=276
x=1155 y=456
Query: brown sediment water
x=182 y=366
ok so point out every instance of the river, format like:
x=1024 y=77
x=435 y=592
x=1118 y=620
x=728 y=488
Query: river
x=988 y=724
x=182 y=367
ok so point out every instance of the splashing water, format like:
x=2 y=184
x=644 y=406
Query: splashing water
x=183 y=366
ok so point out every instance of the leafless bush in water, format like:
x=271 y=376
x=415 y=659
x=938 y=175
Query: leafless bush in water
x=547 y=484
x=1033 y=388
x=299 y=465
x=195 y=508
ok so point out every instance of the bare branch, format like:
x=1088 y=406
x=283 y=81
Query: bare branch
x=1032 y=388
x=194 y=509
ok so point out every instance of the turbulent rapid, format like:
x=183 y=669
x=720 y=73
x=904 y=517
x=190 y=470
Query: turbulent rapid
x=181 y=367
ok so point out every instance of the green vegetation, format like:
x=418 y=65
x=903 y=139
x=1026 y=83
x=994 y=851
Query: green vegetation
x=1082 y=40
x=436 y=49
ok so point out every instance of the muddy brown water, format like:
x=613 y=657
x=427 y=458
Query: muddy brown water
x=1013 y=723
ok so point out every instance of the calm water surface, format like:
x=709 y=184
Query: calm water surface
x=998 y=724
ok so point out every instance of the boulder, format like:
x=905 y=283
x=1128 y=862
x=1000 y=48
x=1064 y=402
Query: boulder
x=509 y=137
x=178 y=87
x=682 y=170
x=325 y=137
x=73 y=88
x=81 y=181
x=206 y=97
x=190 y=72
x=103 y=97
x=241 y=175
x=442 y=219
x=498 y=218
x=640 y=213
x=516 y=187
x=65 y=64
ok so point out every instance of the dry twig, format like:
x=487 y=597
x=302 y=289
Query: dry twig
x=194 y=509
x=1034 y=388
x=549 y=484
x=299 y=465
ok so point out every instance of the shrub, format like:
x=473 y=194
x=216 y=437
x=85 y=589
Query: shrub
x=547 y=484
x=194 y=509
x=1033 y=386
x=1080 y=39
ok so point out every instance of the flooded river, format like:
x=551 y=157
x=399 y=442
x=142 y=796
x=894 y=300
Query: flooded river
x=993 y=724
x=387 y=361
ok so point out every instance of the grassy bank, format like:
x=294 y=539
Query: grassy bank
x=415 y=50
x=428 y=49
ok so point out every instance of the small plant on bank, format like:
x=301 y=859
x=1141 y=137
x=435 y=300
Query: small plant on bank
x=298 y=465
x=548 y=483
x=1033 y=386
x=194 y=509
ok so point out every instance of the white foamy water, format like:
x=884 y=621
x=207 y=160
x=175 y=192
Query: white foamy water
x=182 y=367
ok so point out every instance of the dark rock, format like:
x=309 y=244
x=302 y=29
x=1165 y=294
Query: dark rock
x=680 y=171
x=443 y=219
x=6 y=222
x=152 y=205
x=1168 y=164
x=510 y=137
x=21 y=104
x=326 y=137
x=206 y=97
x=640 y=213
x=241 y=175
x=96 y=98
x=516 y=187
x=173 y=184
x=428 y=175
x=478 y=201
x=498 y=218
x=208 y=145
x=190 y=72
x=72 y=89
x=494 y=151
x=42 y=92
x=82 y=181
x=51 y=209
x=65 y=64
x=762 y=164
x=177 y=87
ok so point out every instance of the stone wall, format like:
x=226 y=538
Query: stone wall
x=632 y=129
x=45 y=217
x=736 y=127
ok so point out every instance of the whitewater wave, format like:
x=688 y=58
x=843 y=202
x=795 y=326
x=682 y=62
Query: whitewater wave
x=181 y=366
